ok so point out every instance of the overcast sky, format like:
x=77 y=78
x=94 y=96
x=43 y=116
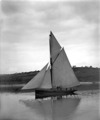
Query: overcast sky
x=25 y=26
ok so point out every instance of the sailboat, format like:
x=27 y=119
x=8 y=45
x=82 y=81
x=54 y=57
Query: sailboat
x=56 y=78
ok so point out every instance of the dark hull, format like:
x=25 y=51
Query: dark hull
x=44 y=93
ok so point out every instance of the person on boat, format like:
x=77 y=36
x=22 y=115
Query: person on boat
x=59 y=88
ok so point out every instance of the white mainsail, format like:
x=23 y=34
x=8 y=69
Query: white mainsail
x=37 y=80
x=54 y=47
x=62 y=73
x=46 y=83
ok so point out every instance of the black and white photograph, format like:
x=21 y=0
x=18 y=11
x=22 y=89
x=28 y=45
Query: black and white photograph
x=49 y=60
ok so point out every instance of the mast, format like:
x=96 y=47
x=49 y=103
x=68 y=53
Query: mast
x=50 y=60
x=54 y=51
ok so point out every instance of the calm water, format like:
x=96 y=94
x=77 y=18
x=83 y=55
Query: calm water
x=25 y=107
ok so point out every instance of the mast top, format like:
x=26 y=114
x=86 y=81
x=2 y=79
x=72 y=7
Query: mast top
x=50 y=32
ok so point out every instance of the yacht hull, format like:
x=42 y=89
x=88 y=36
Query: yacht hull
x=44 y=93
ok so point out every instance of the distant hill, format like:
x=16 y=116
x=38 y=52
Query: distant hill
x=87 y=74
x=84 y=74
x=17 y=78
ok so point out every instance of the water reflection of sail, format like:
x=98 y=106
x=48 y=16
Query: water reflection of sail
x=54 y=109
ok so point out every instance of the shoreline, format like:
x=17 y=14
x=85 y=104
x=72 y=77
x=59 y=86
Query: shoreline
x=17 y=87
